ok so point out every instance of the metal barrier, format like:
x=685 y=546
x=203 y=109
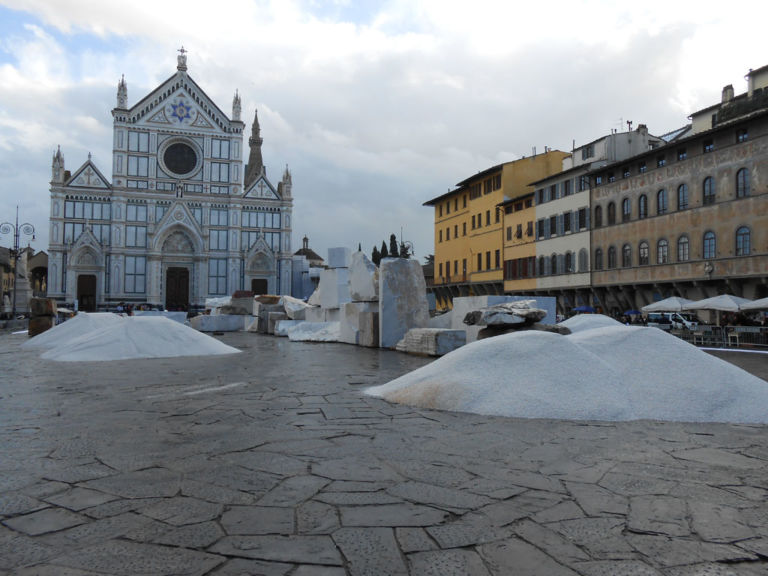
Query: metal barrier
x=726 y=336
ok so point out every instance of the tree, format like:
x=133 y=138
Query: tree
x=375 y=256
x=383 y=251
x=394 y=250
x=404 y=250
x=429 y=259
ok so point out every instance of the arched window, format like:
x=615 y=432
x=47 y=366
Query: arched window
x=642 y=206
x=599 y=259
x=626 y=210
x=709 y=190
x=661 y=201
x=682 y=197
x=743 y=244
x=611 y=213
x=583 y=260
x=710 y=245
x=742 y=183
x=626 y=256
x=598 y=216
x=568 y=262
x=553 y=260
x=683 y=253
x=643 y=253
x=662 y=252
x=612 y=257
x=542 y=266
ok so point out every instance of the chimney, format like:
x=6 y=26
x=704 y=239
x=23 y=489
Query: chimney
x=728 y=93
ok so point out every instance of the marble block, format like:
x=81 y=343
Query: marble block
x=360 y=324
x=363 y=279
x=314 y=314
x=176 y=316
x=218 y=323
x=402 y=299
x=334 y=287
x=466 y=304
x=338 y=257
x=295 y=308
x=283 y=327
x=432 y=341
x=315 y=332
x=273 y=318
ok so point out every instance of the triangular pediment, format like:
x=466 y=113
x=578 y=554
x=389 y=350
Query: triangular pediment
x=180 y=103
x=262 y=188
x=86 y=250
x=88 y=176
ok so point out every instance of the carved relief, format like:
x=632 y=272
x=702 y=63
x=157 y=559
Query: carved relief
x=178 y=242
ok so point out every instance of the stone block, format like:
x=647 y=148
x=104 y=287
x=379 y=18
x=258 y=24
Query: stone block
x=463 y=305
x=363 y=279
x=295 y=308
x=42 y=307
x=273 y=318
x=402 y=299
x=218 y=323
x=314 y=314
x=240 y=306
x=338 y=257
x=432 y=341
x=267 y=298
x=39 y=324
x=334 y=287
x=176 y=316
x=315 y=332
x=283 y=327
x=441 y=320
x=358 y=325
x=333 y=315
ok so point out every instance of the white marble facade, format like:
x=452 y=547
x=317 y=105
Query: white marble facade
x=188 y=214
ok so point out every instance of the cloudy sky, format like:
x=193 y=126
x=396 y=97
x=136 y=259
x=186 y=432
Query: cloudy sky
x=376 y=107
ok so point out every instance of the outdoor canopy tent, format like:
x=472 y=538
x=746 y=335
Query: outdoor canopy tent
x=761 y=304
x=722 y=303
x=672 y=304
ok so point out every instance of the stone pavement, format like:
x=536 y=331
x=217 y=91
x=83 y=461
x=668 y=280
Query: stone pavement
x=273 y=462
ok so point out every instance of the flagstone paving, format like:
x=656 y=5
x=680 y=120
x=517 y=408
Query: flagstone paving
x=273 y=462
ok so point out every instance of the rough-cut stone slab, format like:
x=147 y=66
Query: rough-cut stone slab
x=284 y=327
x=241 y=567
x=550 y=542
x=334 y=287
x=44 y=521
x=413 y=539
x=360 y=323
x=295 y=309
x=506 y=314
x=79 y=498
x=447 y=563
x=315 y=314
x=370 y=551
x=191 y=536
x=218 y=323
x=667 y=551
x=273 y=318
x=363 y=278
x=402 y=299
x=355 y=469
x=526 y=559
x=293 y=549
x=183 y=510
x=622 y=568
x=465 y=304
x=315 y=332
x=602 y=537
x=316 y=518
x=445 y=498
x=432 y=341
x=715 y=523
x=339 y=257
x=294 y=490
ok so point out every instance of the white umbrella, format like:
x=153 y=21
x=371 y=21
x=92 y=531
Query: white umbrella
x=723 y=303
x=671 y=304
x=761 y=304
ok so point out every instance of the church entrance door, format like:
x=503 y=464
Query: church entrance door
x=86 y=292
x=259 y=286
x=177 y=289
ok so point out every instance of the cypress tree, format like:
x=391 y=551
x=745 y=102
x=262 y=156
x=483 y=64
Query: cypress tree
x=383 y=251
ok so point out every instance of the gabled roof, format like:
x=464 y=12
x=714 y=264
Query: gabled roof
x=88 y=176
x=262 y=188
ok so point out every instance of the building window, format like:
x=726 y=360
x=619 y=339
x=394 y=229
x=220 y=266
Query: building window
x=540 y=227
x=447 y=234
x=611 y=177
x=440 y=270
x=625 y=172
x=473 y=222
x=642 y=206
x=448 y=207
x=611 y=213
x=542 y=266
x=455 y=230
x=709 y=190
x=582 y=218
x=217 y=240
x=219 y=217
x=464 y=201
x=455 y=267
x=598 y=216
x=742 y=183
x=709 y=146
x=626 y=210
x=683 y=253
x=598 y=259
x=135 y=274
x=479 y=261
x=662 y=252
x=611 y=257
x=217 y=276
x=136 y=236
x=568 y=262
x=220 y=148
x=742 y=135
x=463 y=228
x=497 y=259
x=553 y=225
x=488 y=260
x=642 y=168
x=626 y=256
x=743 y=247
x=682 y=154
x=518 y=232
x=660 y=161
x=583 y=183
x=487 y=217
x=219 y=172
x=682 y=197
x=567 y=191
x=138 y=166
x=440 y=210
x=497 y=215
x=710 y=245
x=661 y=201
x=440 y=235
x=599 y=180
x=587 y=151
x=567 y=222
x=456 y=206
x=643 y=254
x=529 y=229
x=553 y=264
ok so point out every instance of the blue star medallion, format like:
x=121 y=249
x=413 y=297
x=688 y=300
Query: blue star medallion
x=180 y=111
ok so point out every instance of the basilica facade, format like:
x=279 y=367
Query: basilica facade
x=184 y=217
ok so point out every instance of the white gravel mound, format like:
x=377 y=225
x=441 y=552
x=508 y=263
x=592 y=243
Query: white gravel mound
x=76 y=326
x=589 y=322
x=603 y=371
x=138 y=337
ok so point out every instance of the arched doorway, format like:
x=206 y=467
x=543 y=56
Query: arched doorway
x=178 y=251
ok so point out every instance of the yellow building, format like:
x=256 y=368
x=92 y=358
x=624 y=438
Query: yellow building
x=470 y=229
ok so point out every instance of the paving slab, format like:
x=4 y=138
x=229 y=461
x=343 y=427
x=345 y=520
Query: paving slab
x=274 y=462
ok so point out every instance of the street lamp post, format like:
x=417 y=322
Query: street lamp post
x=18 y=229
